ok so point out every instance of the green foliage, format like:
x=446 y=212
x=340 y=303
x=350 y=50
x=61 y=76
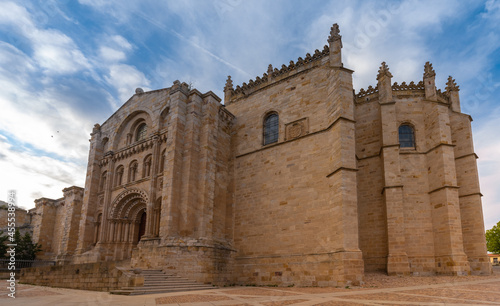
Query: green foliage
x=493 y=239
x=3 y=245
x=26 y=249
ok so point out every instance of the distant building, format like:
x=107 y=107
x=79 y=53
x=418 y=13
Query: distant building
x=296 y=180
x=23 y=219
x=494 y=259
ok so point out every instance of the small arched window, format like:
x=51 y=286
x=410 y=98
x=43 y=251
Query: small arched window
x=146 y=167
x=271 y=128
x=132 y=171
x=141 y=132
x=119 y=175
x=406 y=136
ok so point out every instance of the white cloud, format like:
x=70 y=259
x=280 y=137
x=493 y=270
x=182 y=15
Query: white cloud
x=54 y=51
x=487 y=144
x=113 y=49
x=32 y=176
x=111 y=55
x=125 y=79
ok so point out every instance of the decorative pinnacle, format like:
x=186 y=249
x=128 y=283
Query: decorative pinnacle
x=334 y=33
x=269 y=70
x=384 y=71
x=428 y=70
x=229 y=83
x=451 y=85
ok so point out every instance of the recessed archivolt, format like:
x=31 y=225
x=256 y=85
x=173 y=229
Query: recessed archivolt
x=127 y=202
x=129 y=126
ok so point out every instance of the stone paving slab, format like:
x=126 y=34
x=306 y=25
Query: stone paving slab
x=378 y=290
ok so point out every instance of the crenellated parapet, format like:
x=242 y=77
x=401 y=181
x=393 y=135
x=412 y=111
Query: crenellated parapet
x=424 y=88
x=331 y=55
x=274 y=75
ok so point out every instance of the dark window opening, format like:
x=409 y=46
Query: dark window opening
x=406 y=136
x=271 y=129
x=141 y=132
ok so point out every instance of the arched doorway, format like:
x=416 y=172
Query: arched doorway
x=142 y=225
x=127 y=223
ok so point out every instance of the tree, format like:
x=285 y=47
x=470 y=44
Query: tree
x=3 y=245
x=26 y=249
x=493 y=239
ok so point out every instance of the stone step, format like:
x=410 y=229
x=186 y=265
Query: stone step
x=162 y=276
x=175 y=279
x=156 y=281
x=139 y=291
x=169 y=287
x=176 y=285
x=167 y=283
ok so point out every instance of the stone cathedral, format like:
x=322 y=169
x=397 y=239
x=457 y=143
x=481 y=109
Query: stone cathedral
x=295 y=179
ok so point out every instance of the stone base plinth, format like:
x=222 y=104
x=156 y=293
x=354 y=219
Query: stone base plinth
x=452 y=265
x=480 y=266
x=323 y=270
x=397 y=264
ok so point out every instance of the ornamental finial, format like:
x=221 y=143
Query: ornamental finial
x=451 y=85
x=428 y=70
x=334 y=33
x=384 y=71
x=229 y=83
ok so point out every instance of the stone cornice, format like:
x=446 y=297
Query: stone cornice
x=443 y=187
x=342 y=169
x=132 y=149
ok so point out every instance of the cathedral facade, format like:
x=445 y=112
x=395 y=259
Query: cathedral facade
x=295 y=179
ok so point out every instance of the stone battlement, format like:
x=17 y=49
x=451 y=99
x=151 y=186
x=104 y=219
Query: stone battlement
x=408 y=89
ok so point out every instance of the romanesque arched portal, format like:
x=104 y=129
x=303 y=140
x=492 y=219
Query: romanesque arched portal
x=126 y=222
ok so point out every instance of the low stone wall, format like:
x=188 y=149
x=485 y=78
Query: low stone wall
x=103 y=276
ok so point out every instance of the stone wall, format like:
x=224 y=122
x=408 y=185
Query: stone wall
x=199 y=261
x=23 y=219
x=55 y=224
x=295 y=200
x=91 y=276
x=423 y=202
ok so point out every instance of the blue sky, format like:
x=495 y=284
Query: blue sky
x=66 y=65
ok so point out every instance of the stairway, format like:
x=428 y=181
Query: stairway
x=156 y=281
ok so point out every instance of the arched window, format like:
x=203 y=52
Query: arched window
x=132 y=171
x=140 y=134
x=119 y=175
x=406 y=136
x=271 y=128
x=146 y=167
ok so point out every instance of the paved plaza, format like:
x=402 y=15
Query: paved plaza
x=378 y=289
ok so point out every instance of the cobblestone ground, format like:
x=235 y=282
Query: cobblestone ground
x=378 y=289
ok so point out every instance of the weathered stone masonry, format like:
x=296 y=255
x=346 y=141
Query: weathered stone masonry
x=295 y=180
